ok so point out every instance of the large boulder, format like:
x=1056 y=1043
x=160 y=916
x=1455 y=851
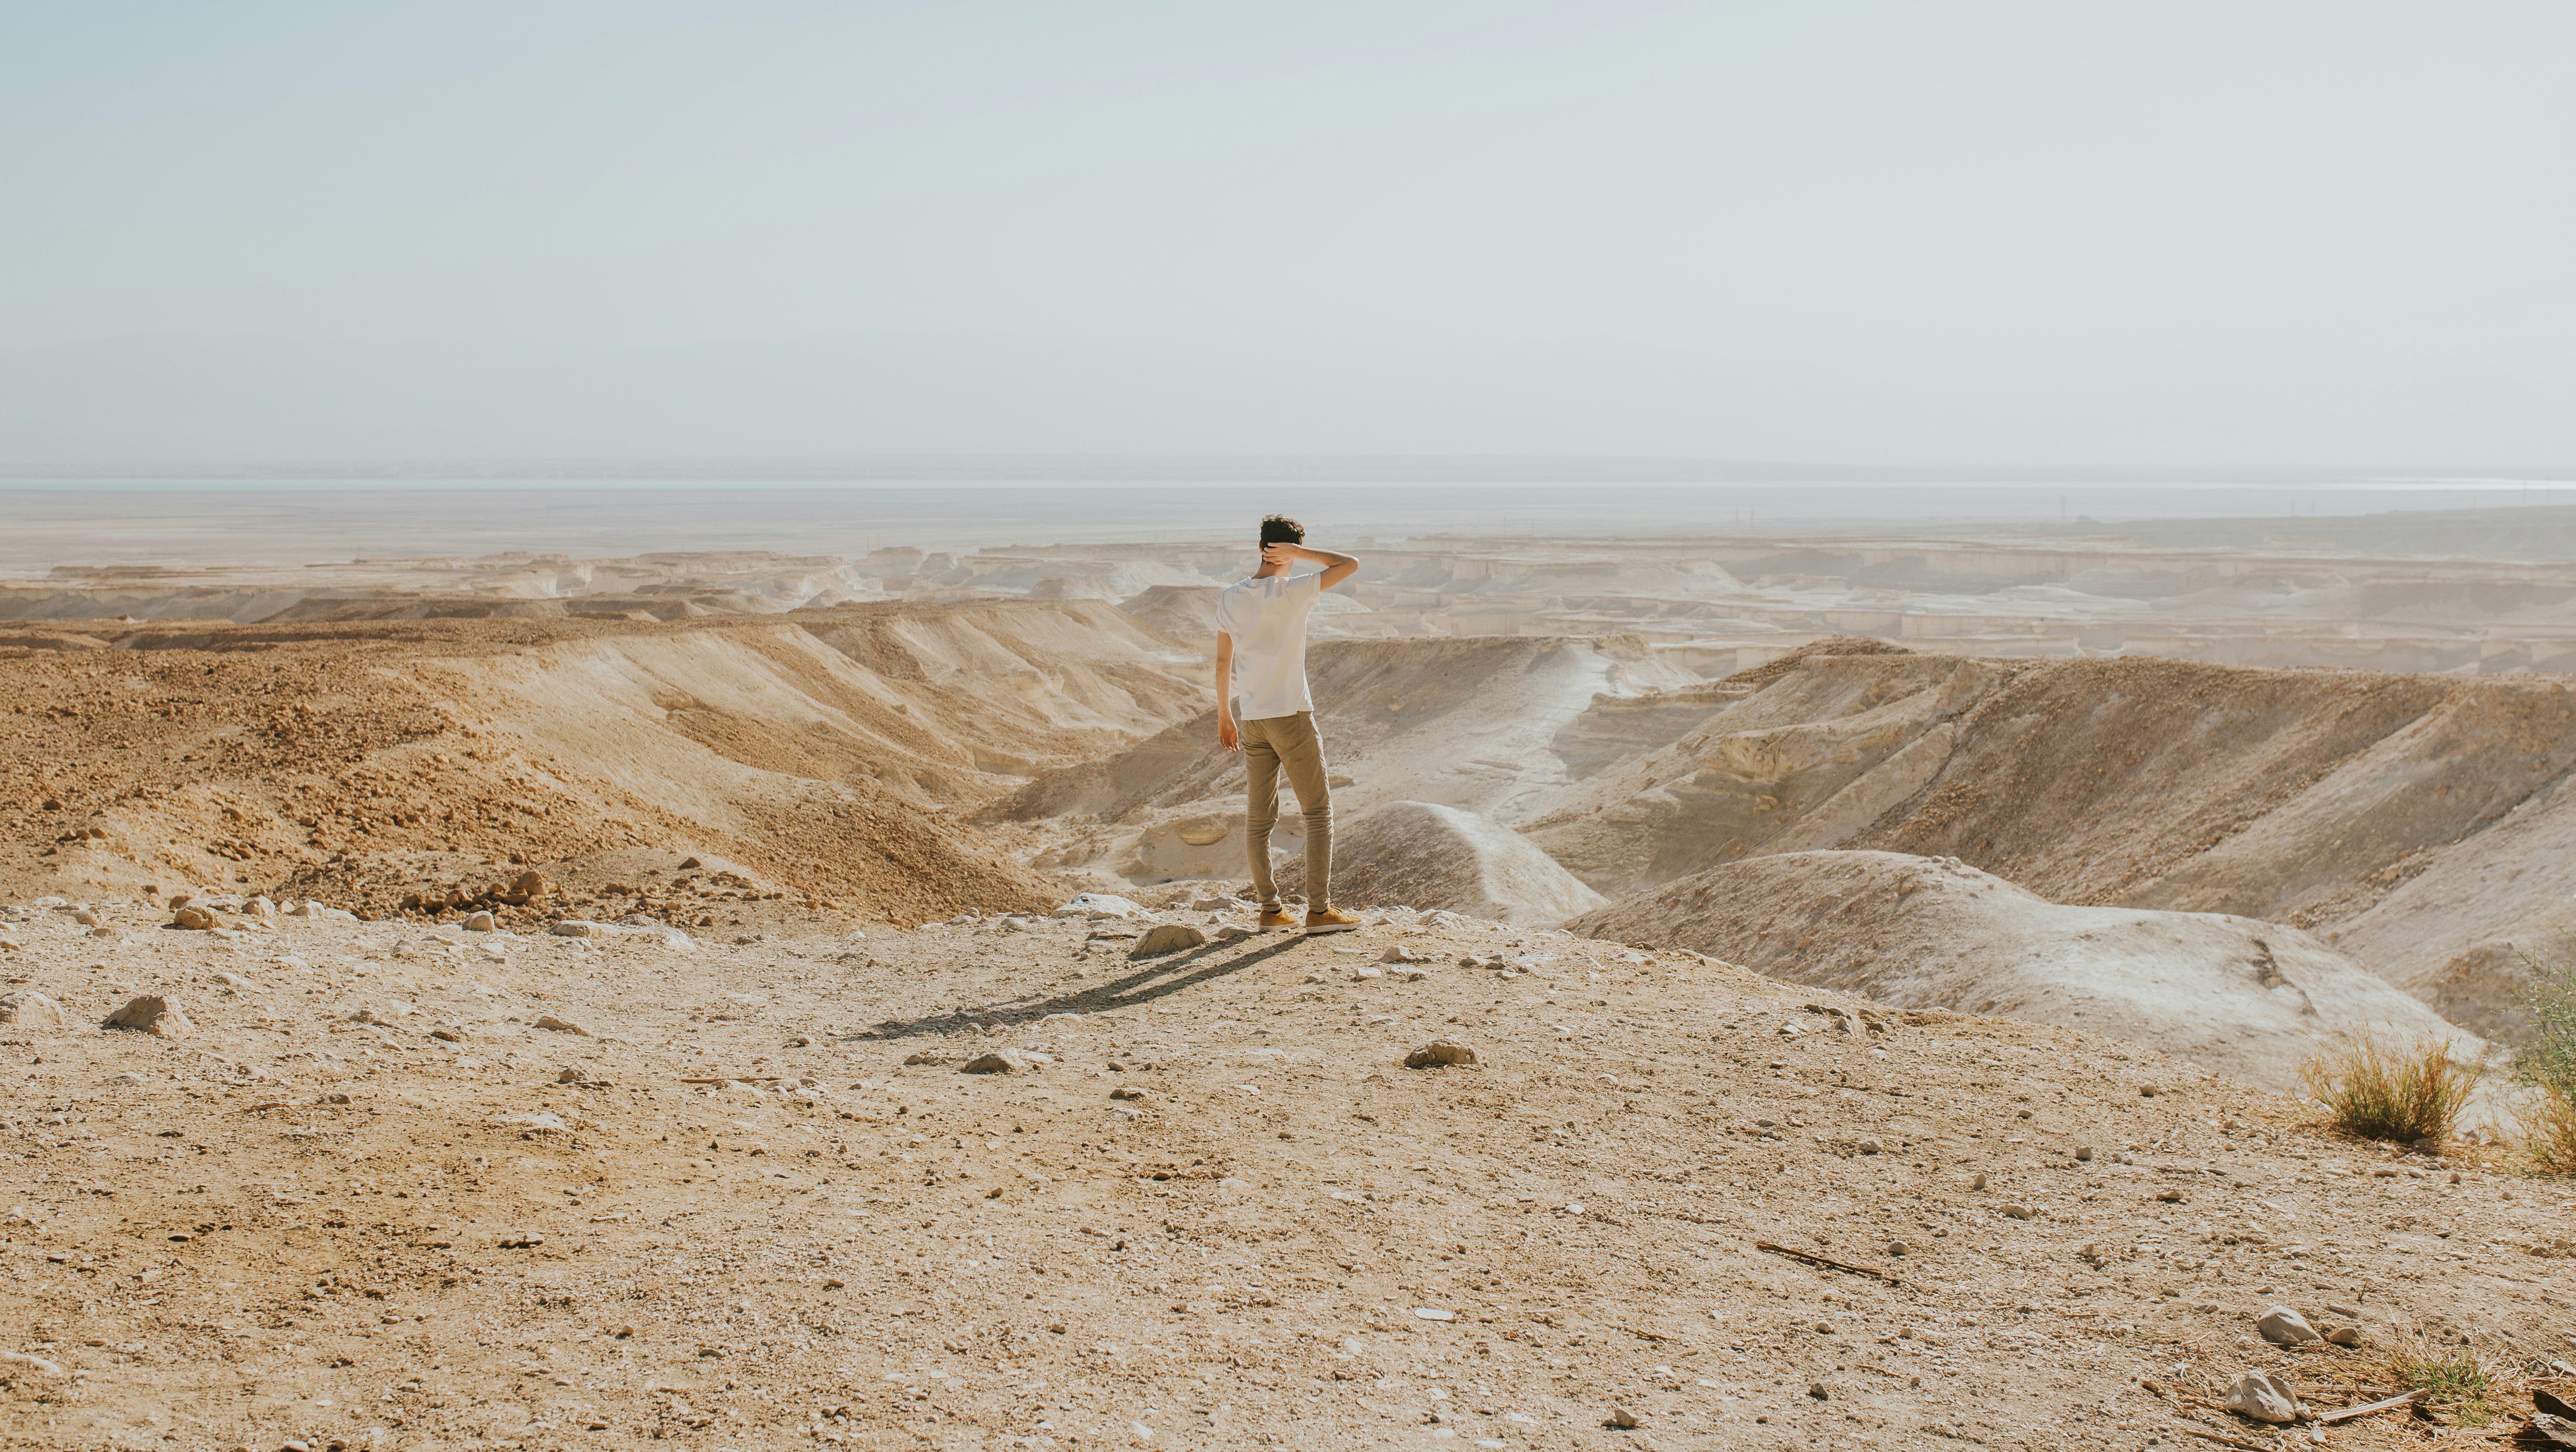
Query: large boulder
x=2248 y=998
x=1416 y=854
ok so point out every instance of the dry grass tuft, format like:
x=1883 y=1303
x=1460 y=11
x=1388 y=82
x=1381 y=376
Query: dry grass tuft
x=2387 y=1089
x=2549 y=1133
x=2457 y=1379
x=2547 y=1063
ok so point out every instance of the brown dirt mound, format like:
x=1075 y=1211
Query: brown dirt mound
x=2301 y=796
x=363 y=761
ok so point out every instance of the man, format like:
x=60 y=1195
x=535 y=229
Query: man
x=1261 y=622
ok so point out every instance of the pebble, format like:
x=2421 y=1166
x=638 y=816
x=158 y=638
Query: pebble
x=192 y=917
x=152 y=1014
x=2262 y=1396
x=480 y=923
x=1402 y=954
x=577 y=928
x=1165 y=938
x=31 y=1009
x=563 y=1026
x=2349 y=1313
x=1437 y=1053
x=2084 y=1152
x=260 y=907
x=1005 y=1061
x=2284 y=1327
x=2344 y=1336
x=2017 y=1212
x=1126 y=1093
x=1099 y=904
x=1623 y=1418
x=1870 y=1147
x=521 y=1240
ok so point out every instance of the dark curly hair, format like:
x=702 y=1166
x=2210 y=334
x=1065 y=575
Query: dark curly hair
x=1280 y=529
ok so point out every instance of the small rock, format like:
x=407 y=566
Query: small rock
x=690 y=864
x=1869 y=1147
x=2427 y=1146
x=2284 y=1327
x=2344 y=1336
x=1821 y=1392
x=1402 y=954
x=541 y=1122
x=2349 y=1313
x=152 y=1014
x=37 y=1364
x=1437 y=1053
x=302 y=909
x=2262 y=1396
x=86 y=917
x=260 y=907
x=479 y=923
x=29 y=1008
x=1977 y=1181
x=448 y=1035
x=521 y=1240
x=1233 y=933
x=925 y=1056
x=2169 y=1197
x=1126 y=1093
x=2084 y=1152
x=1897 y=1247
x=1622 y=1417
x=1165 y=938
x=563 y=1026
x=2017 y=1212
x=1005 y=1061
x=192 y=917
x=578 y=928
x=1099 y=905
x=2148 y=1091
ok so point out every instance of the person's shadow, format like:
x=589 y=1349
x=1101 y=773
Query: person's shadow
x=1153 y=978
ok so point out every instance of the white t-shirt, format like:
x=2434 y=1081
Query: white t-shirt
x=1267 y=618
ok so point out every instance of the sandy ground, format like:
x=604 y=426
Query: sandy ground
x=727 y=1210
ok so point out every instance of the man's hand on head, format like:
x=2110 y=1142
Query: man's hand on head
x=1280 y=555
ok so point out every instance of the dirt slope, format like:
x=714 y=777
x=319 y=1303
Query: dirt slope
x=2304 y=797
x=725 y=1217
x=2250 y=999
x=360 y=758
x=1469 y=723
x=1416 y=854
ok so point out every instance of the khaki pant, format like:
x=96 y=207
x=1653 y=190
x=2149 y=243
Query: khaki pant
x=1269 y=745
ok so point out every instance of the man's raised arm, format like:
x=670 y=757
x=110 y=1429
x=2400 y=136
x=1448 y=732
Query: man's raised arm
x=1337 y=568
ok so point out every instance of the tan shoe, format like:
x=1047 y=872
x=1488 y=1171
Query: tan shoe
x=1276 y=920
x=1330 y=920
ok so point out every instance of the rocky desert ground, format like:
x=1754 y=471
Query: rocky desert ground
x=748 y=1000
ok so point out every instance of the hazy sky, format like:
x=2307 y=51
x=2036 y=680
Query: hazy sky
x=1907 y=233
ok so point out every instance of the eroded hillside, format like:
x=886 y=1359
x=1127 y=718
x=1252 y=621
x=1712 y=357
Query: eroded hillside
x=370 y=758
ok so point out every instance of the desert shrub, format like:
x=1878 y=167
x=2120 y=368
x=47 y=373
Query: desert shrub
x=2546 y=1062
x=2386 y=1088
x=2453 y=1378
